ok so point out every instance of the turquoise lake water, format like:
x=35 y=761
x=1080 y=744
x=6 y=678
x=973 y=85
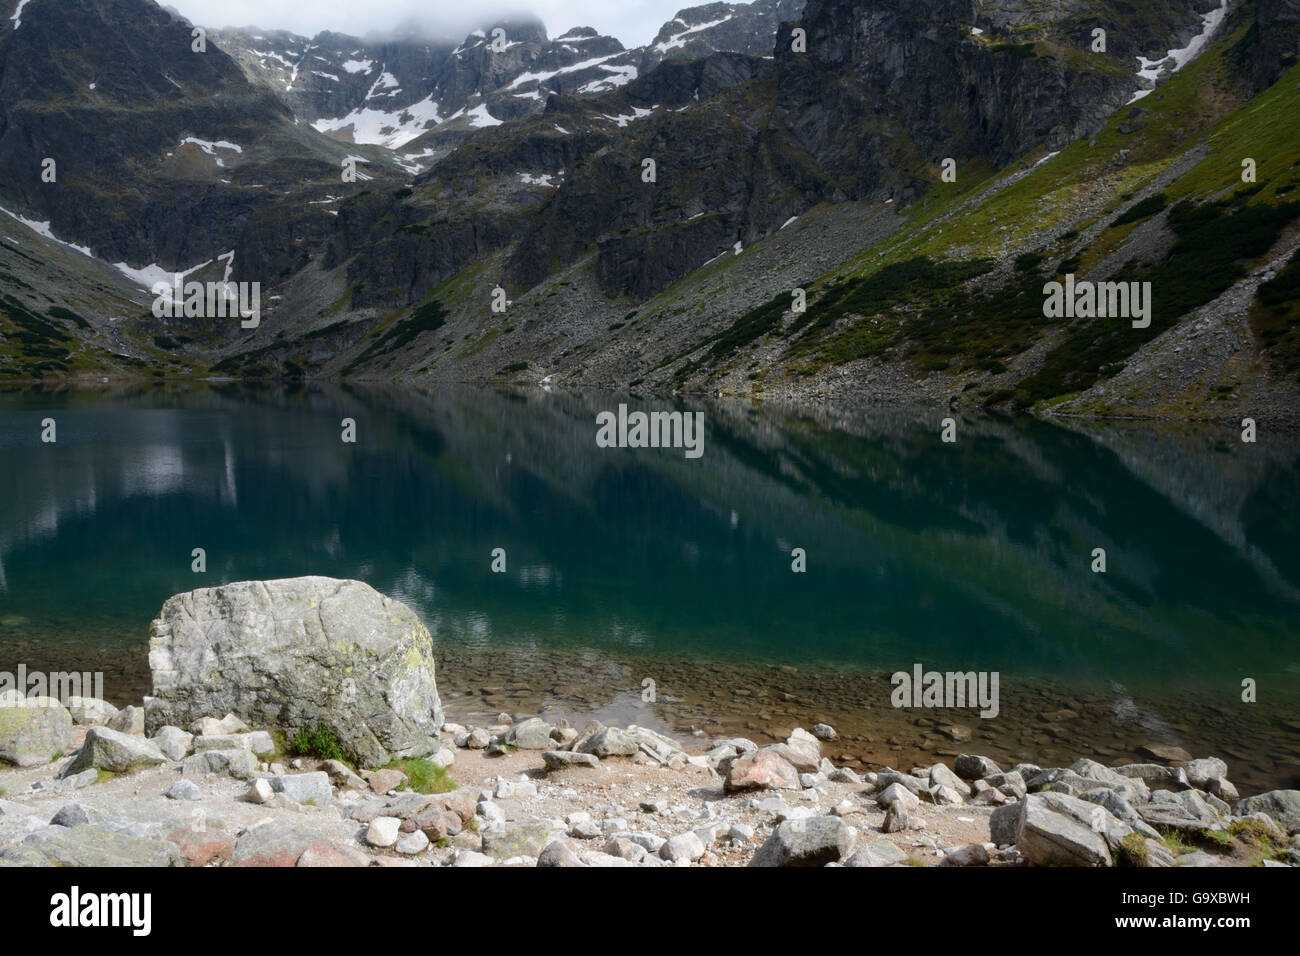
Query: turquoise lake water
x=967 y=556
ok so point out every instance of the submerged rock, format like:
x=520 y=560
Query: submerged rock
x=305 y=653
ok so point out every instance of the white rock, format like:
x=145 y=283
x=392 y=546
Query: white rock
x=412 y=843
x=740 y=833
x=683 y=847
x=384 y=831
x=259 y=792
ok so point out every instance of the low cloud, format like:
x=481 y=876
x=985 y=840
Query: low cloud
x=635 y=22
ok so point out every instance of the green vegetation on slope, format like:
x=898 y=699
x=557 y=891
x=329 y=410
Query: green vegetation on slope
x=428 y=317
x=1276 y=318
x=1214 y=240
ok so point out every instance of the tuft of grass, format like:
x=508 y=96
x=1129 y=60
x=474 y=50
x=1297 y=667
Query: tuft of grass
x=1132 y=851
x=422 y=776
x=1174 y=843
x=319 y=742
x=1260 y=843
x=1222 y=838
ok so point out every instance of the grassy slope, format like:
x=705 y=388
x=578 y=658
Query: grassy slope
x=936 y=323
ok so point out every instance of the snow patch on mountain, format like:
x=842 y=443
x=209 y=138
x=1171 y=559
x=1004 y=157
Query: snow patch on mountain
x=1149 y=70
x=17 y=18
x=523 y=78
x=43 y=229
x=679 y=39
x=389 y=128
x=210 y=147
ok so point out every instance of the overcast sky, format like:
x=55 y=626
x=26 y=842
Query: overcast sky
x=635 y=22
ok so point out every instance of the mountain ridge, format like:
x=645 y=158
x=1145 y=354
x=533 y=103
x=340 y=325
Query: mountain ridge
x=824 y=171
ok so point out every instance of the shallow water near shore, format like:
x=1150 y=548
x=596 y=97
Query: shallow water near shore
x=627 y=564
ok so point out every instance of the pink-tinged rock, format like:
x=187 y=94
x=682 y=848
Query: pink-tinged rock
x=384 y=781
x=324 y=853
x=461 y=802
x=433 y=821
x=762 y=770
x=277 y=843
x=202 y=847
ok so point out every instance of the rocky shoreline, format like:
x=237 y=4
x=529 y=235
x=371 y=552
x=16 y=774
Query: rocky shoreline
x=530 y=793
x=297 y=723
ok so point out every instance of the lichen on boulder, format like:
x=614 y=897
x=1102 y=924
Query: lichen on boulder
x=302 y=653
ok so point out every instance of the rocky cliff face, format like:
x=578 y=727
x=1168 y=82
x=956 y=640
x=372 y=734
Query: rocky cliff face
x=1274 y=42
x=637 y=219
x=881 y=94
x=731 y=27
x=126 y=141
x=422 y=96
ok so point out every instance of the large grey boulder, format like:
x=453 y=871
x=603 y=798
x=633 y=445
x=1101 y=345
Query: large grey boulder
x=517 y=838
x=914 y=784
x=313 y=788
x=114 y=751
x=175 y=743
x=1185 y=810
x=1004 y=824
x=559 y=759
x=975 y=767
x=88 y=846
x=941 y=776
x=33 y=730
x=1046 y=837
x=238 y=762
x=1096 y=816
x=1130 y=788
x=300 y=653
x=1200 y=772
x=560 y=852
x=877 y=853
x=533 y=734
x=276 y=843
x=1282 y=805
x=1120 y=809
x=813 y=841
x=611 y=742
x=1156 y=776
x=23 y=856
x=1011 y=783
x=129 y=720
x=657 y=747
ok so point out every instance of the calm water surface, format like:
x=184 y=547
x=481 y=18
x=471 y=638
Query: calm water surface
x=969 y=556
